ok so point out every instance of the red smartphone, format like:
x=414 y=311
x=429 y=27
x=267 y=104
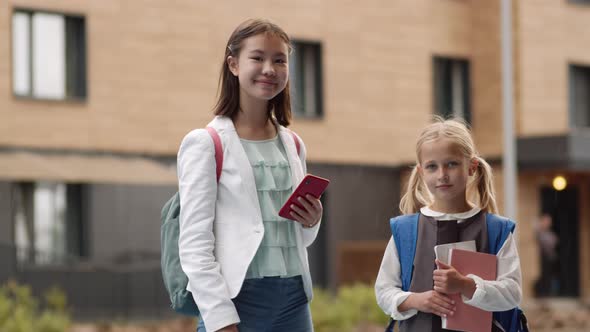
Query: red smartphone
x=312 y=185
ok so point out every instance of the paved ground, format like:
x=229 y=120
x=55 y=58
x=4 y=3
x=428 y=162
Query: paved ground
x=558 y=315
x=555 y=315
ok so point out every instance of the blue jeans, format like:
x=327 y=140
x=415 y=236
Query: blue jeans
x=271 y=304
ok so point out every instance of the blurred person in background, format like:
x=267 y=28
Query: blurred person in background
x=547 y=241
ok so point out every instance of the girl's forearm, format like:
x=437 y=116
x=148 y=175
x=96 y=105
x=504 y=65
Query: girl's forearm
x=468 y=287
x=407 y=304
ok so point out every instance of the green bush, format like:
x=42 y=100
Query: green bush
x=350 y=307
x=21 y=312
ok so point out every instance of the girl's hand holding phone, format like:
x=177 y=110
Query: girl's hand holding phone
x=304 y=206
x=311 y=213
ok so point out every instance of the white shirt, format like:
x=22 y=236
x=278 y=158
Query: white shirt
x=501 y=294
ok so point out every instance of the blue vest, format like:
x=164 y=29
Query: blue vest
x=405 y=233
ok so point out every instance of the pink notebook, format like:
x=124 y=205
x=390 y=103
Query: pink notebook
x=466 y=317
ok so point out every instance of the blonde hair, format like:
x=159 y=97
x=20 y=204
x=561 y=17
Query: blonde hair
x=480 y=189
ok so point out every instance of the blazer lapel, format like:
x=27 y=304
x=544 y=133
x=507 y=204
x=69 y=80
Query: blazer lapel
x=236 y=152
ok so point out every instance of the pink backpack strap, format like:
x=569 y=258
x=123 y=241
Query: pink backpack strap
x=218 y=151
x=296 y=140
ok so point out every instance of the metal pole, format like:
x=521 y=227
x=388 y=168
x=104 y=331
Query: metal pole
x=509 y=139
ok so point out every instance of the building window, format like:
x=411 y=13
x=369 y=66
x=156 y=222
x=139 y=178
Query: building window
x=48 y=55
x=579 y=96
x=452 y=88
x=305 y=68
x=582 y=2
x=49 y=223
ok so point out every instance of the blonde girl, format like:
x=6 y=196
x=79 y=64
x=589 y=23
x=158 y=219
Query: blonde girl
x=450 y=198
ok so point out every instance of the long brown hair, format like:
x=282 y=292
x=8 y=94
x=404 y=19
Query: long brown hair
x=228 y=102
x=417 y=195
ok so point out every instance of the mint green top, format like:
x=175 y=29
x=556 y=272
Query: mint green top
x=277 y=254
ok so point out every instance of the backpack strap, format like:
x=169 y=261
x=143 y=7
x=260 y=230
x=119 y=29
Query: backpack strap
x=498 y=230
x=218 y=151
x=404 y=230
x=296 y=140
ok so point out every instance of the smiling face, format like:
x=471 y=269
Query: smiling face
x=445 y=171
x=261 y=67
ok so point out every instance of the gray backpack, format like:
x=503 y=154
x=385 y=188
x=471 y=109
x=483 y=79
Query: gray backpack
x=175 y=280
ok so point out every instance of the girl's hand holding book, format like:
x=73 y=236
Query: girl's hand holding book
x=429 y=302
x=447 y=280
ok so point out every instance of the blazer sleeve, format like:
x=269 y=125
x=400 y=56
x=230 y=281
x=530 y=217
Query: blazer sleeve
x=197 y=184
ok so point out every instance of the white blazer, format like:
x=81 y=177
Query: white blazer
x=221 y=224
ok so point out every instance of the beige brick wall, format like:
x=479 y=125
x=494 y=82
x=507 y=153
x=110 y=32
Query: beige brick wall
x=486 y=78
x=550 y=36
x=152 y=74
x=153 y=69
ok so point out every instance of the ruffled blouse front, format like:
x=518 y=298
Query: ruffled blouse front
x=277 y=254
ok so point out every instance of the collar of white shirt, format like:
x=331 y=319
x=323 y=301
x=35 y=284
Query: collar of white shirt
x=460 y=217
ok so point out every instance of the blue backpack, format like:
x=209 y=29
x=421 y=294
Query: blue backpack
x=499 y=228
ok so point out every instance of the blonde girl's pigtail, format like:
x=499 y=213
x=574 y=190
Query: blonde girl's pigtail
x=485 y=186
x=414 y=198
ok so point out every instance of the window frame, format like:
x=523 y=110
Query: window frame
x=579 y=2
x=72 y=221
x=83 y=72
x=573 y=113
x=299 y=66
x=466 y=86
